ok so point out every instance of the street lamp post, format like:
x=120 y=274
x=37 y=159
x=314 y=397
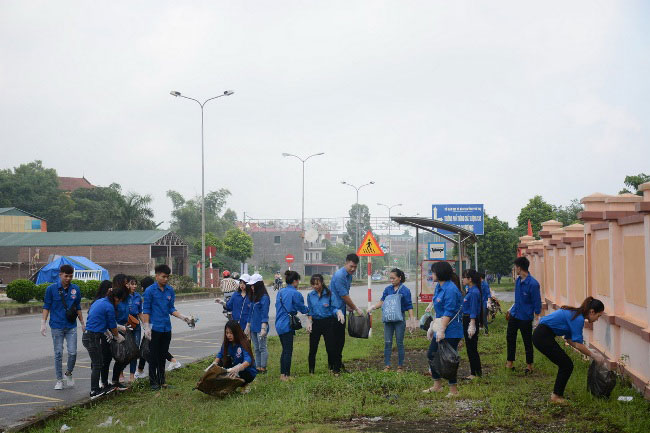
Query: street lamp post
x=390 y=240
x=303 y=186
x=202 y=104
x=356 y=245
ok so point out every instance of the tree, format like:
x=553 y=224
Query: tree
x=497 y=248
x=568 y=215
x=99 y=208
x=634 y=182
x=238 y=245
x=137 y=213
x=335 y=253
x=537 y=211
x=350 y=238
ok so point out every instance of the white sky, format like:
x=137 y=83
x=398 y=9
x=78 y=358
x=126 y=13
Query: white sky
x=437 y=102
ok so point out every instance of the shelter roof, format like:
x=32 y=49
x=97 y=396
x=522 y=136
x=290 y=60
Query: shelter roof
x=16 y=211
x=429 y=224
x=124 y=237
x=74 y=183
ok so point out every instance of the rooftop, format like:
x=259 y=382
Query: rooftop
x=55 y=239
x=74 y=183
x=17 y=212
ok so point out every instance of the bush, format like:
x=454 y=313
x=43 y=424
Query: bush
x=90 y=289
x=21 y=291
x=39 y=291
x=182 y=283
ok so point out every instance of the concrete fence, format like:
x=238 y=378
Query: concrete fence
x=608 y=258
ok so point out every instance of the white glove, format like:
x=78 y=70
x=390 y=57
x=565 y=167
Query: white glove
x=147 y=330
x=233 y=372
x=340 y=317
x=430 y=332
x=429 y=308
x=471 y=330
x=220 y=301
x=308 y=327
x=120 y=338
x=535 y=323
x=247 y=331
x=359 y=311
x=371 y=309
x=43 y=327
x=597 y=357
x=121 y=328
x=264 y=330
x=440 y=335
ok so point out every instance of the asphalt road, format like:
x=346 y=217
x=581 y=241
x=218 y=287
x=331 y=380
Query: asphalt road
x=26 y=364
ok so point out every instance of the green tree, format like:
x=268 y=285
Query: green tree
x=137 y=213
x=497 y=248
x=335 y=253
x=633 y=181
x=568 y=215
x=238 y=245
x=537 y=211
x=100 y=208
x=363 y=213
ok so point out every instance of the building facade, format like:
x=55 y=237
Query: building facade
x=14 y=220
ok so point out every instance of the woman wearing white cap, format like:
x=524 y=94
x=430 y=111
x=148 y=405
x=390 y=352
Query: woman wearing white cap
x=259 y=324
x=239 y=303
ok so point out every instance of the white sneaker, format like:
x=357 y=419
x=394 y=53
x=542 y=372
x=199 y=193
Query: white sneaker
x=173 y=366
x=69 y=380
x=59 y=385
x=140 y=375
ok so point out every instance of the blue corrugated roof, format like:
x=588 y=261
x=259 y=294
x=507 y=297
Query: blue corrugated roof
x=56 y=239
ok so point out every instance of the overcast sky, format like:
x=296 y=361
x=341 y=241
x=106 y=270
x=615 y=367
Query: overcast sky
x=437 y=102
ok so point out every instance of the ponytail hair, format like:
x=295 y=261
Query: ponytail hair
x=590 y=303
x=476 y=280
x=400 y=274
x=291 y=276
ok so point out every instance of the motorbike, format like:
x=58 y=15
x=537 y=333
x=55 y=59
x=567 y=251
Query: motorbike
x=277 y=284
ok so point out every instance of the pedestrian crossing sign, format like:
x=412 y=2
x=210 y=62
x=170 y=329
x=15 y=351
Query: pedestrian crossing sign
x=369 y=247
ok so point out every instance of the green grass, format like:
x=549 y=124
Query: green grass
x=323 y=403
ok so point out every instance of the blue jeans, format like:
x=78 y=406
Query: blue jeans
x=286 y=340
x=433 y=348
x=397 y=328
x=137 y=332
x=70 y=336
x=261 y=353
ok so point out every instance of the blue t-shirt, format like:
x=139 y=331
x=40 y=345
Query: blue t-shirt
x=447 y=301
x=340 y=287
x=320 y=306
x=288 y=301
x=472 y=303
x=54 y=305
x=260 y=313
x=239 y=355
x=159 y=304
x=485 y=292
x=240 y=306
x=562 y=324
x=405 y=294
x=527 y=299
x=101 y=316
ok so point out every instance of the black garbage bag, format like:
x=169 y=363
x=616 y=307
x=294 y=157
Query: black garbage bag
x=127 y=350
x=144 y=349
x=600 y=380
x=445 y=361
x=215 y=382
x=358 y=326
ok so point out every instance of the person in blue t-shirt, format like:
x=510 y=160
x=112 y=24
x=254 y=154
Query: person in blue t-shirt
x=134 y=301
x=239 y=304
x=259 y=320
x=236 y=355
x=288 y=303
x=472 y=318
x=528 y=305
x=322 y=317
x=486 y=294
x=448 y=325
x=59 y=297
x=397 y=327
x=568 y=322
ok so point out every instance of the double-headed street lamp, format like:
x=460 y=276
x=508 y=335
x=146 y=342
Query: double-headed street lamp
x=202 y=104
x=357 y=189
x=390 y=240
x=303 y=186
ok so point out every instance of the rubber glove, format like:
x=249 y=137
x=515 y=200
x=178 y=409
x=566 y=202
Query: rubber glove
x=308 y=327
x=220 y=301
x=371 y=309
x=43 y=327
x=430 y=332
x=147 y=330
x=471 y=330
x=121 y=328
x=359 y=311
x=264 y=330
x=233 y=372
x=440 y=335
x=120 y=338
x=247 y=331
x=340 y=317
x=429 y=308
x=597 y=357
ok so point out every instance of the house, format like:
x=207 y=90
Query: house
x=14 y=220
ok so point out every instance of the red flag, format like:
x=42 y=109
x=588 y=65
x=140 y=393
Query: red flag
x=530 y=229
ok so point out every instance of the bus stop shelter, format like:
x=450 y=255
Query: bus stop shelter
x=430 y=225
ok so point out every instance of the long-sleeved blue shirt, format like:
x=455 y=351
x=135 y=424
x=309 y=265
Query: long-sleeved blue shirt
x=528 y=301
x=447 y=301
x=340 y=287
x=101 y=316
x=240 y=306
x=122 y=315
x=159 y=304
x=239 y=355
x=485 y=292
x=260 y=313
x=135 y=303
x=472 y=303
x=562 y=324
x=320 y=306
x=405 y=294
x=288 y=301
x=54 y=305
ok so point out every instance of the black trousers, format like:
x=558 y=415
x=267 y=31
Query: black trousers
x=472 y=348
x=544 y=341
x=338 y=335
x=107 y=357
x=142 y=361
x=159 y=347
x=92 y=341
x=227 y=363
x=526 y=328
x=325 y=328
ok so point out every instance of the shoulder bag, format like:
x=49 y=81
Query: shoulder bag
x=294 y=321
x=70 y=314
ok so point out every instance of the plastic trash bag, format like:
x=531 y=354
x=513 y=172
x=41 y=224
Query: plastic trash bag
x=216 y=382
x=391 y=309
x=127 y=350
x=144 y=349
x=425 y=321
x=445 y=361
x=358 y=326
x=600 y=380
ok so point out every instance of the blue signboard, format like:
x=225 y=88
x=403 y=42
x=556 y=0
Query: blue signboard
x=466 y=216
x=437 y=250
